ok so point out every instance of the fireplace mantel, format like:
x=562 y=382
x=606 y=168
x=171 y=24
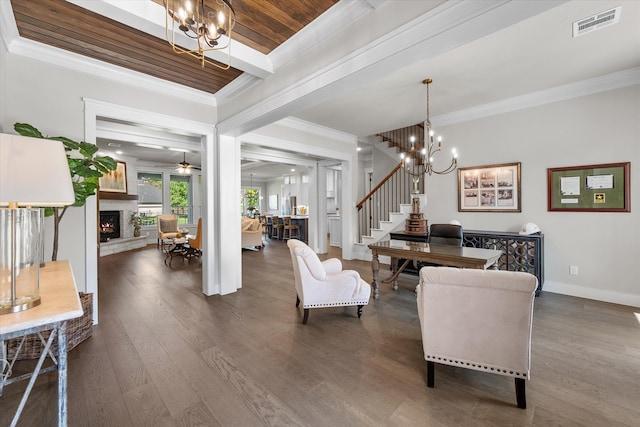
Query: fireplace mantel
x=105 y=195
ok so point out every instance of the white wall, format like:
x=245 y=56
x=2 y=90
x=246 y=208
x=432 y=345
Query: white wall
x=601 y=128
x=51 y=98
x=274 y=186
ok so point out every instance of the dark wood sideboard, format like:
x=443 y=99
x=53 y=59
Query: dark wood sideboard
x=520 y=252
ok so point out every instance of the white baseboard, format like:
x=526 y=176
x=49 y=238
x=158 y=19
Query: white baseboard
x=623 y=298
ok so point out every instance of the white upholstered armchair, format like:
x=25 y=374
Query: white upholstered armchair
x=325 y=283
x=477 y=319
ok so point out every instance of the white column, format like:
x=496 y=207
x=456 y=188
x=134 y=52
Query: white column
x=348 y=212
x=228 y=234
x=210 y=245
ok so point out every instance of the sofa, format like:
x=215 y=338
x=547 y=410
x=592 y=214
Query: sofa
x=251 y=233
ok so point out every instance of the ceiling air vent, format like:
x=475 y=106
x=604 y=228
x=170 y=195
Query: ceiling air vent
x=596 y=22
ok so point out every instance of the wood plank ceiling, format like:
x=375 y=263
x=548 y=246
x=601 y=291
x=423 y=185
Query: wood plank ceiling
x=260 y=24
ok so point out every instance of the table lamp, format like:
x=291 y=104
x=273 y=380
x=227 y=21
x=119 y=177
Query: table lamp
x=34 y=173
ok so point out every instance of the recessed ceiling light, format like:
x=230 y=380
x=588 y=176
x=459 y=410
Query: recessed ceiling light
x=119 y=152
x=158 y=147
x=293 y=170
x=359 y=149
x=114 y=144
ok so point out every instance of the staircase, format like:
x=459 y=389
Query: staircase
x=396 y=222
x=388 y=205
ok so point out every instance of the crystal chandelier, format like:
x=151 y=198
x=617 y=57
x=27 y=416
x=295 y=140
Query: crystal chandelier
x=209 y=24
x=419 y=160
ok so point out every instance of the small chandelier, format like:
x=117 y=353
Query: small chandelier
x=419 y=160
x=207 y=24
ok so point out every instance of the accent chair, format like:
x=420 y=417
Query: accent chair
x=477 y=319
x=167 y=227
x=324 y=283
x=194 y=248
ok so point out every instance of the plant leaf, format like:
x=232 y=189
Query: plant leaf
x=88 y=150
x=69 y=144
x=26 y=129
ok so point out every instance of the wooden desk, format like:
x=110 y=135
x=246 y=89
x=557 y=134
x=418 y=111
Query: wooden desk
x=60 y=303
x=452 y=256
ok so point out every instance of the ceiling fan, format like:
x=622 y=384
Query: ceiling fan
x=184 y=166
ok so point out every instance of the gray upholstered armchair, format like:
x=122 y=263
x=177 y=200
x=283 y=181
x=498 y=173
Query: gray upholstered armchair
x=324 y=283
x=477 y=319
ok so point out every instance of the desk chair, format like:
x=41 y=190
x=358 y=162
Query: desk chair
x=290 y=229
x=167 y=227
x=445 y=234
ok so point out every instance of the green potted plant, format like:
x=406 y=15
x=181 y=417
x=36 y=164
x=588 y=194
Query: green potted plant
x=85 y=168
x=136 y=221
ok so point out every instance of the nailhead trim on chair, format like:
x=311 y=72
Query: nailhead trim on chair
x=439 y=359
x=336 y=304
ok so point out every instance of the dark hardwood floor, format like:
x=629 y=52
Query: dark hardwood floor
x=166 y=355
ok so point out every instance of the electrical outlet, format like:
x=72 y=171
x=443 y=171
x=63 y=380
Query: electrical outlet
x=573 y=270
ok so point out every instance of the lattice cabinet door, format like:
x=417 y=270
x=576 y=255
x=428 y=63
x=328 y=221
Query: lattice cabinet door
x=519 y=252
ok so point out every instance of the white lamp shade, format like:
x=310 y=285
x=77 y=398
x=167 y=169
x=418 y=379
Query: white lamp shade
x=34 y=172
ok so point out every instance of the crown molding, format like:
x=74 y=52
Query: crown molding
x=595 y=85
x=56 y=56
x=8 y=27
x=305 y=126
x=53 y=55
x=234 y=88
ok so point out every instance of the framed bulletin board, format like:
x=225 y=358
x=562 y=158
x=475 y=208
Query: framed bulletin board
x=493 y=188
x=592 y=188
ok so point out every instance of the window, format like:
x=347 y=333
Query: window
x=152 y=197
x=149 y=197
x=250 y=198
x=181 y=199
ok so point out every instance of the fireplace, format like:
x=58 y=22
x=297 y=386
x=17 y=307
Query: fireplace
x=109 y=225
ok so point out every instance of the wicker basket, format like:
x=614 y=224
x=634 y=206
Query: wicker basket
x=78 y=330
